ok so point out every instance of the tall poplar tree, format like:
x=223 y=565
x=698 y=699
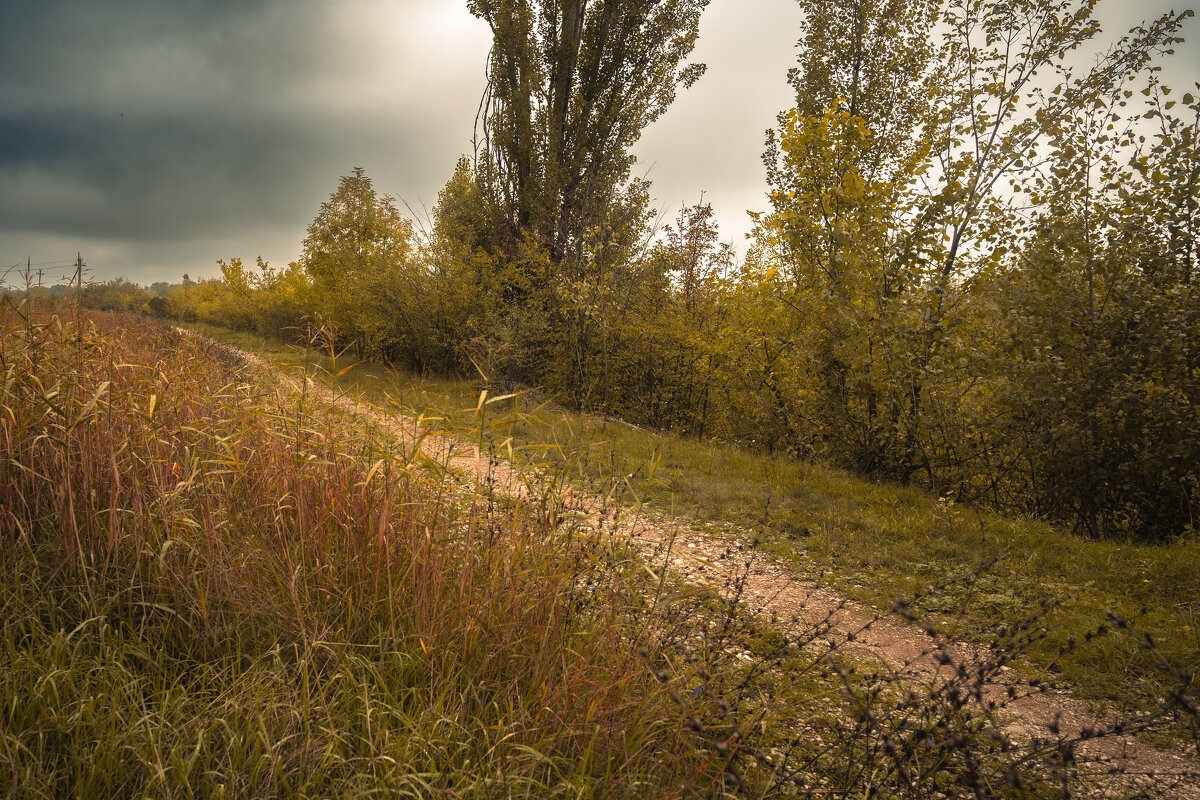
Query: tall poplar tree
x=571 y=86
x=845 y=160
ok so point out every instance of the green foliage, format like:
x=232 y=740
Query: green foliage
x=118 y=295
x=571 y=87
x=359 y=254
x=662 y=361
x=850 y=303
x=907 y=319
x=270 y=302
x=872 y=58
x=1098 y=376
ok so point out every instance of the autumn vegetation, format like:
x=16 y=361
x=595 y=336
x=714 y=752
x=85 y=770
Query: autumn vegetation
x=974 y=291
x=977 y=274
x=217 y=583
x=214 y=588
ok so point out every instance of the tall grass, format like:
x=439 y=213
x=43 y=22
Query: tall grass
x=214 y=587
x=208 y=589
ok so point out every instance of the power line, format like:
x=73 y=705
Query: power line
x=31 y=265
x=65 y=262
x=29 y=268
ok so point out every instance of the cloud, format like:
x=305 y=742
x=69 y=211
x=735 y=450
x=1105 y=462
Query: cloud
x=711 y=139
x=146 y=123
x=155 y=136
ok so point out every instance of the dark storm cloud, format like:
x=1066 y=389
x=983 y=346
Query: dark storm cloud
x=155 y=136
x=136 y=122
x=155 y=176
x=146 y=101
x=118 y=54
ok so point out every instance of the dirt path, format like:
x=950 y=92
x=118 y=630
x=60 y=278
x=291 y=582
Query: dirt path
x=770 y=588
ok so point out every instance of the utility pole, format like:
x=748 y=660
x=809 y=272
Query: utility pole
x=27 y=301
x=79 y=279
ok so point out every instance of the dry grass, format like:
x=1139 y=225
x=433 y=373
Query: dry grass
x=210 y=590
x=212 y=587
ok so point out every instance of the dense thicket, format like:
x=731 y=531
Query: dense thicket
x=977 y=272
x=982 y=257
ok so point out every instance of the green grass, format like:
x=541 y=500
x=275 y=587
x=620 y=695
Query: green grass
x=881 y=542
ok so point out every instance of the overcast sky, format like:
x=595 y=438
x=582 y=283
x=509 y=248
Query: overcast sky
x=155 y=136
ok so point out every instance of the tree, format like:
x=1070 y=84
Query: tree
x=879 y=340
x=1098 y=373
x=357 y=252
x=660 y=350
x=840 y=169
x=873 y=59
x=850 y=300
x=1003 y=93
x=571 y=86
x=694 y=255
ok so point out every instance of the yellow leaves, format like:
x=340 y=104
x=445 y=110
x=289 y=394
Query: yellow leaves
x=853 y=185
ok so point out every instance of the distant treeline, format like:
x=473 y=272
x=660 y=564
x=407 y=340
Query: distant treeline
x=978 y=273
x=117 y=294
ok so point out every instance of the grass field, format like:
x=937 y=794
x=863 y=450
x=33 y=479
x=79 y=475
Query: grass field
x=881 y=542
x=214 y=586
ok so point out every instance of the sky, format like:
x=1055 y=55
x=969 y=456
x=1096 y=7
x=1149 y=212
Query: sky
x=156 y=136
